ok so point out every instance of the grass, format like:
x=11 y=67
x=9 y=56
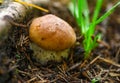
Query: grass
x=80 y=10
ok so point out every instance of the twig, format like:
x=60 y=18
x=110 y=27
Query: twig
x=114 y=74
x=83 y=64
x=103 y=43
x=28 y=58
x=108 y=71
x=62 y=71
x=117 y=55
x=13 y=67
x=95 y=59
x=39 y=77
x=109 y=61
x=64 y=79
x=24 y=73
x=32 y=79
x=74 y=66
x=54 y=80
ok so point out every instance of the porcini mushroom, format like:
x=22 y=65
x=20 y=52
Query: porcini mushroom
x=51 y=38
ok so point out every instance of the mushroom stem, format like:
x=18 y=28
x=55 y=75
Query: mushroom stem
x=43 y=56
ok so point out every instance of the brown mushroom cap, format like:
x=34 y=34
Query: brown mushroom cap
x=51 y=33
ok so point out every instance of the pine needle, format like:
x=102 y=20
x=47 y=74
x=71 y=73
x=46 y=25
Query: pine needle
x=32 y=5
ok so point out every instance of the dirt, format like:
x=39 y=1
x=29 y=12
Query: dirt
x=103 y=65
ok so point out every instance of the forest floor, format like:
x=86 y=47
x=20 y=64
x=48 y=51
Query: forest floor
x=103 y=66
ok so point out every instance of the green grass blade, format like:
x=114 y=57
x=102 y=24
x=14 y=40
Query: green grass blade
x=95 y=15
x=81 y=18
x=86 y=12
x=83 y=15
x=97 y=10
x=107 y=13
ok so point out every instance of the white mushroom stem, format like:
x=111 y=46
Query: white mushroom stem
x=44 y=56
x=17 y=11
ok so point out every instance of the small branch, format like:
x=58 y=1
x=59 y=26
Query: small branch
x=74 y=66
x=109 y=62
x=26 y=73
x=92 y=62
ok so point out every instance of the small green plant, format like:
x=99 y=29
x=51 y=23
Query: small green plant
x=95 y=80
x=80 y=10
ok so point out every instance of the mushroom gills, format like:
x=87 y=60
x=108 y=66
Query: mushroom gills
x=43 y=56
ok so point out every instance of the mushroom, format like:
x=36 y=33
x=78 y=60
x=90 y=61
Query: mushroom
x=51 y=38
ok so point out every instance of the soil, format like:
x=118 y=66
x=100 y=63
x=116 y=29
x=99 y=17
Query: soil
x=103 y=65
